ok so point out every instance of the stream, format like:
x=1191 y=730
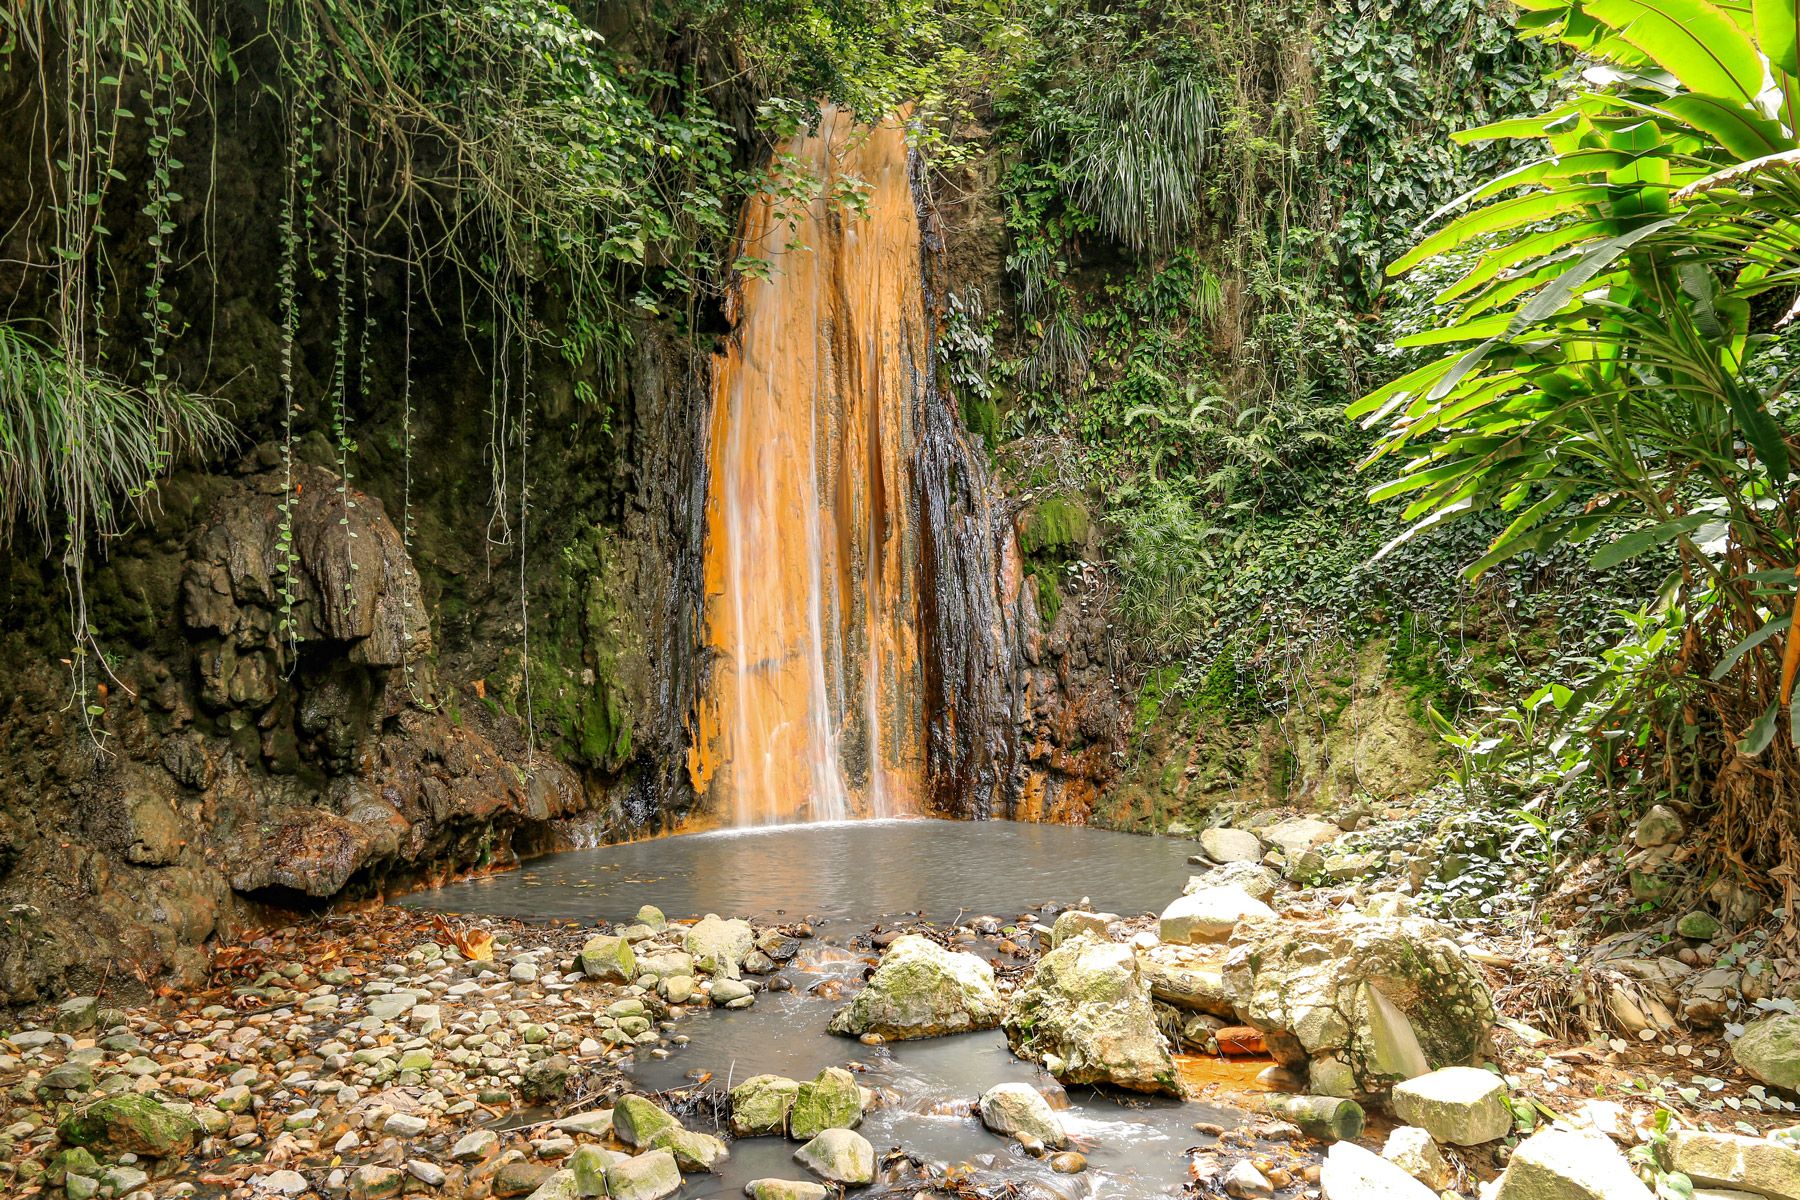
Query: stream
x=844 y=878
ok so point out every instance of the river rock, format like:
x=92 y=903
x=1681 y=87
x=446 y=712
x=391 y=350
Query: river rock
x=130 y=1123
x=1464 y=1106
x=785 y=1189
x=830 y=1100
x=1412 y=1150
x=839 y=1155
x=1086 y=1014
x=760 y=1105
x=588 y=1164
x=1731 y=1160
x=547 y=1078
x=1566 y=1164
x=1245 y=1182
x=693 y=1151
x=1231 y=845
x=922 y=990
x=1295 y=836
x=1209 y=915
x=1353 y=1173
x=636 y=1121
x=1770 y=1050
x=725 y=993
x=647 y=1177
x=1390 y=998
x=1257 y=881
x=1010 y=1109
x=719 y=946
x=1076 y=922
x=608 y=959
x=664 y=962
x=652 y=918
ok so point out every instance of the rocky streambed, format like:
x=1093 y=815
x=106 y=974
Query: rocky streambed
x=1248 y=1036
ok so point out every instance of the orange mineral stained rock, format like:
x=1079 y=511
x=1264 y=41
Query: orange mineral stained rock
x=810 y=708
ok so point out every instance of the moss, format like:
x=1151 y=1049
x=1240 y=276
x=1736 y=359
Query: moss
x=982 y=417
x=1054 y=526
x=1049 y=595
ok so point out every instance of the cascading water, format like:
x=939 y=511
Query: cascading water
x=810 y=707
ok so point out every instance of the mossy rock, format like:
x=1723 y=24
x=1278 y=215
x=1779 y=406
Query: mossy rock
x=1054 y=526
x=130 y=1123
x=760 y=1105
x=832 y=1100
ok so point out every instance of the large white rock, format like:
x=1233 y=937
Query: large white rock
x=1086 y=1014
x=1300 y=834
x=647 y=1177
x=1353 y=1173
x=1412 y=1150
x=719 y=946
x=1011 y=1109
x=1770 y=1050
x=1564 y=1164
x=1210 y=915
x=1732 y=1160
x=1231 y=845
x=922 y=990
x=840 y=1155
x=1464 y=1106
x=1256 y=880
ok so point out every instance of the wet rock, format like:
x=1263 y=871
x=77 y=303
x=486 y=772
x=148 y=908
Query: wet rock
x=520 y=1177
x=760 y=1105
x=1012 y=1109
x=693 y=1151
x=608 y=959
x=1245 y=1182
x=719 y=946
x=1412 y=1150
x=130 y=1123
x=588 y=1164
x=546 y=1079
x=1231 y=845
x=830 y=1100
x=1353 y=1173
x=1076 y=922
x=1464 y=1106
x=474 y=1146
x=649 y=1176
x=1086 y=1014
x=1069 y=1162
x=1563 y=1164
x=728 y=993
x=839 y=1155
x=922 y=990
x=636 y=1121
x=1731 y=1160
x=785 y=1189
x=1390 y=998
x=1210 y=915
x=1769 y=1050
x=596 y=1123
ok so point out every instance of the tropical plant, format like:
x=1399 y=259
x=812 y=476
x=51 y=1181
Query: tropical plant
x=1614 y=371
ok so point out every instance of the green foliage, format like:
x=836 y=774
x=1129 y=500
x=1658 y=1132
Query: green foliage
x=1054 y=526
x=1609 y=376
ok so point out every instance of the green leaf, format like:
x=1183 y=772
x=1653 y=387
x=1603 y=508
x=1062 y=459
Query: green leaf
x=1777 y=25
x=1737 y=652
x=1761 y=733
x=1634 y=544
x=1759 y=429
x=1507 y=214
x=1692 y=40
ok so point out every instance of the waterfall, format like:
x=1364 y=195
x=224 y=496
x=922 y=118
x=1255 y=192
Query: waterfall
x=810 y=705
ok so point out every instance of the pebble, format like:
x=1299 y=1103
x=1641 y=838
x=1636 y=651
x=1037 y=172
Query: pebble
x=427 y=1173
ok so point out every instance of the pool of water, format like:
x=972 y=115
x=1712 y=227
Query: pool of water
x=845 y=878
x=843 y=870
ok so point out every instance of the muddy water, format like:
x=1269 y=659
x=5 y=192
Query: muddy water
x=846 y=877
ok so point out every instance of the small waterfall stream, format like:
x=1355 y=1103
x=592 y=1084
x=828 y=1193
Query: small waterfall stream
x=811 y=702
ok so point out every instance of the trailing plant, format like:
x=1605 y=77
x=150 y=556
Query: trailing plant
x=1610 y=378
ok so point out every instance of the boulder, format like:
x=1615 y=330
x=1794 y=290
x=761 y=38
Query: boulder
x=1231 y=845
x=831 y=1100
x=1076 y=922
x=693 y=1151
x=636 y=1121
x=922 y=990
x=1464 y=1106
x=1184 y=978
x=785 y=1189
x=647 y=1177
x=1353 y=1173
x=664 y=962
x=1731 y=1160
x=129 y=1123
x=839 y=1155
x=1011 y=1109
x=1210 y=915
x=1257 y=881
x=760 y=1105
x=1412 y=1150
x=1390 y=997
x=609 y=959
x=719 y=946
x=1769 y=1049
x=652 y=918
x=588 y=1164
x=1564 y=1164
x=1658 y=827
x=1086 y=1014
x=1294 y=837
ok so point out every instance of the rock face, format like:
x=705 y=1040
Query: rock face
x=1729 y=1160
x=1379 y=999
x=1086 y=1015
x=922 y=990
x=1464 y=1106
x=1011 y=1109
x=1210 y=915
x=1560 y=1164
x=1770 y=1050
